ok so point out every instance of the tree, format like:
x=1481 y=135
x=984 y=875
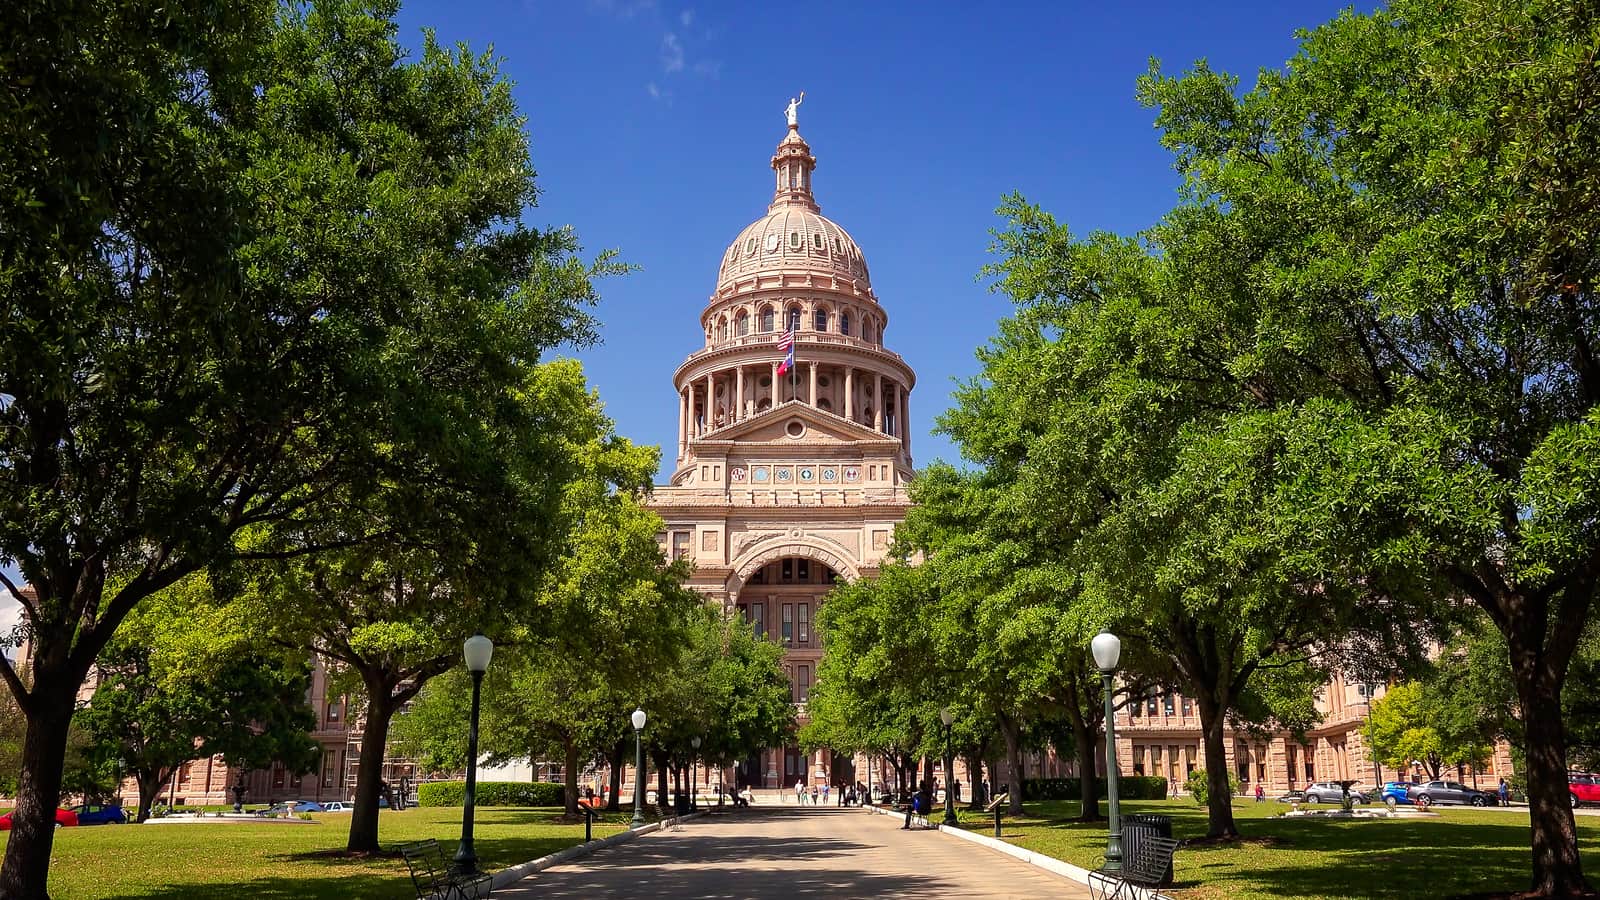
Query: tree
x=1417 y=722
x=252 y=262
x=184 y=681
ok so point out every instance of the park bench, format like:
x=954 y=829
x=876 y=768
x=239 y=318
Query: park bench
x=1140 y=876
x=431 y=874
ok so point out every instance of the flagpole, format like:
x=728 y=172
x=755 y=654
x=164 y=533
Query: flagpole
x=794 y=384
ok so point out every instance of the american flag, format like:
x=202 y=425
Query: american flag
x=786 y=344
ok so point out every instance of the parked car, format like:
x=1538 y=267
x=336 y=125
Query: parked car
x=1292 y=797
x=1431 y=792
x=1396 y=791
x=65 y=818
x=93 y=814
x=338 y=806
x=1583 y=787
x=301 y=806
x=1331 y=792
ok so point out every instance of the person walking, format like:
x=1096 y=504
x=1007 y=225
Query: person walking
x=813 y=795
x=1505 y=793
x=825 y=791
x=799 y=792
x=1261 y=793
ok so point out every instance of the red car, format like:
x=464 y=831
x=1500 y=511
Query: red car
x=65 y=818
x=1583 y=788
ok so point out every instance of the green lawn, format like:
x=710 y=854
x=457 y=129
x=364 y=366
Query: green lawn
x=269 y=862
x=1463 y=852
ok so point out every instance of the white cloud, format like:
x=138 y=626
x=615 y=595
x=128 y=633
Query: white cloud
x=654 y=91
x=686 y=17
x=708 y=68
x=671 y=53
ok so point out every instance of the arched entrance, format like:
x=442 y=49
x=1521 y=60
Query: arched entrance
x=780 y=597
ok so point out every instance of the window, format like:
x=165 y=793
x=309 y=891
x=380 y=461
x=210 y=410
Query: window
x=788 y=570
x=328 y=768
x=794 y=318
x=333 y=710
x=680 y=545
x=805 y=570
x=722 y=329
x=805 y=683
x=758 y=619
x=805 y=624
x=844 y=323
x=788 y=624
x=1150 y=704
x=742 y=324
x=1188 y=707
x=817 y=241
x=766 y=319
x=820 y=320
x=1166 y=703
x=794 y=240
x=279 y=775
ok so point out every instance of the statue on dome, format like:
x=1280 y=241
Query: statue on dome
x=794 y=109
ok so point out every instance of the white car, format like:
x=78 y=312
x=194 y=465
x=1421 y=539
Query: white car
x=337 y=806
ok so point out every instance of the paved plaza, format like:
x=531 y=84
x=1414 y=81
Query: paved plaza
x=794 y=853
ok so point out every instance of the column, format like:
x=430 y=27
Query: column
x=877 y=401
x=905 y=418
x=850 y=393
x=812 y=397
x=738 y=393
x=683 y=423
x=777 y=391
x=711 y=421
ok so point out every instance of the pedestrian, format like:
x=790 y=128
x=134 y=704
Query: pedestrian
x=799 y=792
x=1505 y=793
x=955 y=786
x=1261 y=793
x=813 y=795
x=825 y=789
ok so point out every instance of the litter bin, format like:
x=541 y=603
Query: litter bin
x=680 y=804
x=1136 y=827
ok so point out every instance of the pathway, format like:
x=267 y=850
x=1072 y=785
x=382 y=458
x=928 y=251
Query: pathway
x=793 y=854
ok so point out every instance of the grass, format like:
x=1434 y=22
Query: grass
x=282 y=861
x=1463 y=852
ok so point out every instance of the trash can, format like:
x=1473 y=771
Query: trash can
x=680 y=803
x=1137 y=826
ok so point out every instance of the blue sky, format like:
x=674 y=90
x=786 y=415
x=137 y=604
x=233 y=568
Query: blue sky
x=652 y=123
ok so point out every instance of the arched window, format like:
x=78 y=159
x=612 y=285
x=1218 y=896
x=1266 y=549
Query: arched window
x=741 y=323
x=844 y=323
x=722 y=328
x=766 y=318
x=794 y=318
x=866 y=329
x=821 y=320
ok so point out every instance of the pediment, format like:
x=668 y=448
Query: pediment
x=820 y=427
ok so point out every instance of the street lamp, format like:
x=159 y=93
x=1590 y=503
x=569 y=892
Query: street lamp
x=1107 y=649
x=638 y=769
x=948 y=718
x=694 y=773
x=477 y=650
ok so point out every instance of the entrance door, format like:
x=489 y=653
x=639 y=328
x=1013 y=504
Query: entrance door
x=844 y=769
x=794 y=767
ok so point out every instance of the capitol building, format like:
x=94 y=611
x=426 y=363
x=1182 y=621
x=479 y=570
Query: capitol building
x=793 y=452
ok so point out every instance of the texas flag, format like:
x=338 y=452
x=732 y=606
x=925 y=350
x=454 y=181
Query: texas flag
x=786 y=344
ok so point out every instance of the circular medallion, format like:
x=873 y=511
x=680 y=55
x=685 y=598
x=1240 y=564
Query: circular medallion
x=760 y=474
x=830 y=474
x=807 y=474
x=736 y=473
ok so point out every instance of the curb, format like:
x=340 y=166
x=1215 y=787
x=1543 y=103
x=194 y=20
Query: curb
x=516 y=873
x=1038 y=860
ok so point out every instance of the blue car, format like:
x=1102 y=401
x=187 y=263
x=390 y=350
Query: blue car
x=92 y=814
x=1396 y=791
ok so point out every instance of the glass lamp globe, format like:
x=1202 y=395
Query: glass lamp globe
x=1107 y=650
x=638 y=720
x=946 y=716
x=478 y=649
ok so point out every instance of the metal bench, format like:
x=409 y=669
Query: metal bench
x=432 y=876
x=1139 y=877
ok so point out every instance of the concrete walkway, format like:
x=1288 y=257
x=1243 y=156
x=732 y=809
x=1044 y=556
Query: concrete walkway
x=794 y=853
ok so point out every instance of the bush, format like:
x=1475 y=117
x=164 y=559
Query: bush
x=1200 y=790
x=492 y=793
x=1129 y=787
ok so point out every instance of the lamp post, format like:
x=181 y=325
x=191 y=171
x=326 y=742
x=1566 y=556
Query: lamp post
x=694 y=773
x=638 y=769
x=948 y=718
x=1107 y=649
x=477 y=650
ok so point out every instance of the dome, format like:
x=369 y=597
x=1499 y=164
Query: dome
x=793 y=238
x=794 y=235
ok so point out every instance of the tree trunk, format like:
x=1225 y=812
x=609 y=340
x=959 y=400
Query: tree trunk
x=1557 y=869
x=570 y=781
x=1219 y=799
x=26 y=871
x=618 y=750
x=149 y=788
x=975 y=781
x=1012 y=733
x=660 y=758
x=369 y=772
x=1088 y=785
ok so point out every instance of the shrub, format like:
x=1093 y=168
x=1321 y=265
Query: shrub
x=1200 y=790
x=492 y=793
x=1129 y=787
